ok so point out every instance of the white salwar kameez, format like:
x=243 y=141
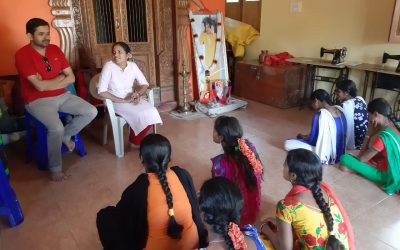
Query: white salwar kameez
x=119 y=83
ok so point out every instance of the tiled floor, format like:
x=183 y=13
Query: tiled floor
x=62 y=215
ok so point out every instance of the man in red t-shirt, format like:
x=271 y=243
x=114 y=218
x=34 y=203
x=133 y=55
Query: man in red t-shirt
x=44 y=73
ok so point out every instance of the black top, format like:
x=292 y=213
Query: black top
x=125 y=225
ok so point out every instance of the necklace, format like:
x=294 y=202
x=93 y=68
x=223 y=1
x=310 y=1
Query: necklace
x=216 y=241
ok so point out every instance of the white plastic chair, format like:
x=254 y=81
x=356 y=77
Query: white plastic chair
x=117 y=122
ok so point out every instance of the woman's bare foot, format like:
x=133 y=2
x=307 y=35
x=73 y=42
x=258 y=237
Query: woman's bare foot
x=345 y=169
x=70 y=144
x=58 y=176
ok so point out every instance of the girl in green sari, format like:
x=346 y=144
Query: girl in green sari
x=379 y=158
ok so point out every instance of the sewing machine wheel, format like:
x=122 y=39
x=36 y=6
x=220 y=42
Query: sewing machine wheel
x=343 y=52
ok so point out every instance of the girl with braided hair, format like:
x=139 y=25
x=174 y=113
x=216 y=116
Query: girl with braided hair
x=159 y=210
x=239 y=163
x=310 y=210
x=379 y=159
x=221 y=203
x=328 y=136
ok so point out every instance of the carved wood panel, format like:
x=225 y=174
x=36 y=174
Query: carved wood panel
x=63 y=22
x=164 y=48
x=160 y=57
x=182 y=49
x=100 y=53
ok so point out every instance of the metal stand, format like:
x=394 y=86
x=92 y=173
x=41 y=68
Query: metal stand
x=186 y=109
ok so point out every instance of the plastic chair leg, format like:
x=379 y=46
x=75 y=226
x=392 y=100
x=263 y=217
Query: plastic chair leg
x=119 y=139
x=9 y=205
x=105 y=132
x=79 y=146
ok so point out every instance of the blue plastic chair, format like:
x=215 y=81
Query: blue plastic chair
x=9 y=205
x=37 y=149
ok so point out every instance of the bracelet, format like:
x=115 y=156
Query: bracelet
x=262 y=226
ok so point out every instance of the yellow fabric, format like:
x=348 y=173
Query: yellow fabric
x=209 y=40
x=309 y=223
x=239 y=34
x=267 y=243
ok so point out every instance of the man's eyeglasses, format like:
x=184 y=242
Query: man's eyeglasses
x=48 y=67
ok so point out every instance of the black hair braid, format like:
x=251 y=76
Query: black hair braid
x=244 y=166
x=323 y=205
x=230 y=130
x=174 y=229
x=332 y=243
x=247 y=169
x=227 y=239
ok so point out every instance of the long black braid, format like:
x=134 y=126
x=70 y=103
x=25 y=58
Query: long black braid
x=319 y=198
x=174 y=229
x=227 y=239
x=155 y=151
x=221 y=202
x=307 y=167
x=230 y=130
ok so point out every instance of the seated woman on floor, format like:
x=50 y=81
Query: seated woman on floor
x=239 y=163
x=221 y=203
x=159 y=210
x=355 y=110
x=328 y=130
x=310 y=210
x=117 y=83
x=379 y=159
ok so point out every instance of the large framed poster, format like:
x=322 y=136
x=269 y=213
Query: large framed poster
x=209 y=51
x=211 y=64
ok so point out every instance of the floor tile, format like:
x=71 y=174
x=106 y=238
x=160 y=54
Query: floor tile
x=63 y=215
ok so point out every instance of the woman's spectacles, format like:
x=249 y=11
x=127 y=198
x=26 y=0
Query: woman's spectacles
x=48 y=67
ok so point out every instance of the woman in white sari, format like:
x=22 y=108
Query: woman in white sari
x=328 y=130
x=355 y=109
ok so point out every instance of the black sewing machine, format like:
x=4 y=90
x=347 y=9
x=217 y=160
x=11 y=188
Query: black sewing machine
x=386 y=56
x=338 y=54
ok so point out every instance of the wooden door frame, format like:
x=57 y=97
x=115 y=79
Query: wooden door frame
x=68 y=22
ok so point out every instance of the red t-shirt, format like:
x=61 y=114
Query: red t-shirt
x=380 y=159
x=29 y=62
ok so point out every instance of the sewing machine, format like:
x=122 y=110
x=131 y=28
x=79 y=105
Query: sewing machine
x=386 y=56
x=338 y=54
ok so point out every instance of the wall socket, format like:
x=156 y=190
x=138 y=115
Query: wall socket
x=296 y=6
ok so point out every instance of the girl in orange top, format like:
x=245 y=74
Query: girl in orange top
x=157 y=211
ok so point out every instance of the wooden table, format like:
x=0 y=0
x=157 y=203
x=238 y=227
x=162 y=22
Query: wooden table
x=382 y=77
x=375 y=70
x=311 y=76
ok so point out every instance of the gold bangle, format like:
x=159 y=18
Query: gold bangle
x=262 y=226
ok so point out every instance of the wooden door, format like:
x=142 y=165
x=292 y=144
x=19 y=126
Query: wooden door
x=110 y=21
x=137 y=30
x=394 y=35
x=247 y=11
x=103 y=26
